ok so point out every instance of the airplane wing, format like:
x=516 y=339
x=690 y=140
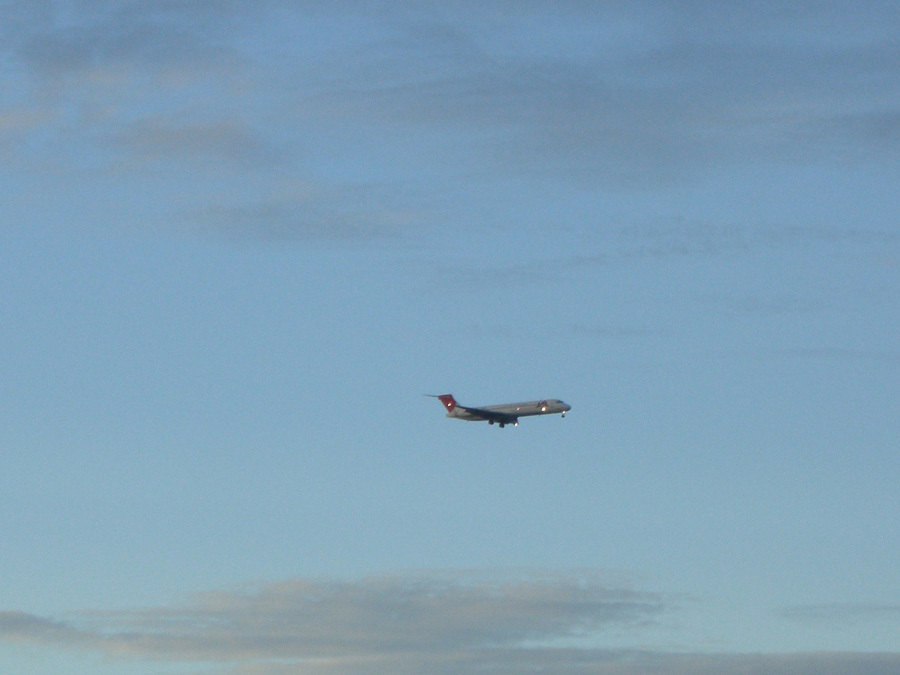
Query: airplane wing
x=490 y=415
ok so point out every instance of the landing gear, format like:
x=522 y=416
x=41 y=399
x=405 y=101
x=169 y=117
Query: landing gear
x=502 y=424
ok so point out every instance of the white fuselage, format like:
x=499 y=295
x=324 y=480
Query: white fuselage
x=503 y=414
x=546 y=407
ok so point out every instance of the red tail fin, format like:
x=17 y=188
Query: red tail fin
x=448 y=401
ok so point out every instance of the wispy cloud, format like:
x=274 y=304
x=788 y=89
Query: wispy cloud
x=849 y=612
x=842 y=354
x=89 y=35
x=343 y=213
x=450 y=623
x=611 y=95
x=401 y=623
x=180 y=139
x=22 y=627
x=599 y=662
x=625 y=89
x=674 y=239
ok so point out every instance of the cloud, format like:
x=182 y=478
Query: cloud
x=22 y=627
x=425 y=620
x=685 y=92
x=453 y=99
x=842 y=354
x=155 y=138
x=307 y=212
x=139 y=35
x=591 y=662
x=663 y=92
x=677 y=238
x=843 y=612
x=16 y=123
x=450 y=623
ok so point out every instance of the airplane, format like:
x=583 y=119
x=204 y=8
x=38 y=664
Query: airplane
x=507 y=413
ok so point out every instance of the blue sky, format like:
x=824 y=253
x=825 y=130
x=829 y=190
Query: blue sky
x=241 y=240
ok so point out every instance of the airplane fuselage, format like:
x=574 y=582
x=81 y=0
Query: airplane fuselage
x=503 y=414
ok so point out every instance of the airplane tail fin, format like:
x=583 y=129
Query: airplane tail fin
x=448 y=401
